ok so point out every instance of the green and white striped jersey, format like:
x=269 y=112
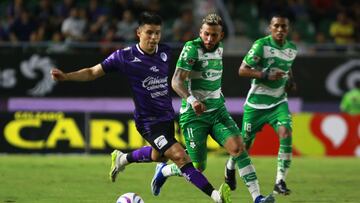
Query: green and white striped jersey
x=266 y=55
x=204 y=80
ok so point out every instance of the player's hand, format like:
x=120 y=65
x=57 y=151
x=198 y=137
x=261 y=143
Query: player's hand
x=57 y=75
x=276 y=75
x=290 y=86
x=198 y=107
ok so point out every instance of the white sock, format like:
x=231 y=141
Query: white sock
x=230 y=164
x=215 y=195
x=253 y=186
x=166 y=171
x=281 y=175
x=171 y=170
x=254 y=189
x=123 y=160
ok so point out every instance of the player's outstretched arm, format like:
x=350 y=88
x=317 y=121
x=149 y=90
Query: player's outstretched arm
x=178 y=84
x=85 y=74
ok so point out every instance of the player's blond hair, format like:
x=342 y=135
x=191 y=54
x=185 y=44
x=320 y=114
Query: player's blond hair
x=212 y=19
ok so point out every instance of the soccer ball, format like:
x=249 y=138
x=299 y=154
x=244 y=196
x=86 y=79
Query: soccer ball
x=130 y=197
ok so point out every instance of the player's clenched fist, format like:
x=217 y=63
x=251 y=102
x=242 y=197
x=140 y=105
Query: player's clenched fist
x=57 y=75
x=198 y=107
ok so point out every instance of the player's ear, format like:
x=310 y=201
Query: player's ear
x=138 y=31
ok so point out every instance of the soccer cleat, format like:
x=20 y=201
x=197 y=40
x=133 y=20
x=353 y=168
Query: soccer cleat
x=280 y=188
x=225 y=193
x=230 y=178
x=158 y=180
x=267 y=199
x=116 y=166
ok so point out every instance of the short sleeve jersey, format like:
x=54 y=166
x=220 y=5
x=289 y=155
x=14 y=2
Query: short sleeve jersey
x=148 y=78
x=267 y=55
x=205 y=76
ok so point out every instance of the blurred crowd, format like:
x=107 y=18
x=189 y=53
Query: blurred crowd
x=106 y=21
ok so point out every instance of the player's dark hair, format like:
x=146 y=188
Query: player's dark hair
x=150 y=19
x=279 y=15
x=212 y=19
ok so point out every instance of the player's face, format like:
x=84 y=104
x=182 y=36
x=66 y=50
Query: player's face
x=279 y=28
x=149 y=37
x=211 y=35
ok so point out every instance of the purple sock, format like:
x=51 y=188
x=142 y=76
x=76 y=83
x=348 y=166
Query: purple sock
x=142 y=154
x=197 y=178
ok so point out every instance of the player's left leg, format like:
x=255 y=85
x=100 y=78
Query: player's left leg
x=144 y=154
x=282 y=123
x=226 y=133
x=252 y=122
x=119 y=159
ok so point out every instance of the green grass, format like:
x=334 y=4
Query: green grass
x=76 y=179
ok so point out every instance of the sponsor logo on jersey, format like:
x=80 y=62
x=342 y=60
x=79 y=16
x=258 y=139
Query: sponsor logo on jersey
x=154 y=69
x=152 y=83
x=161 y=141
x=256 y=59
x=212 y=75
x=190 y=61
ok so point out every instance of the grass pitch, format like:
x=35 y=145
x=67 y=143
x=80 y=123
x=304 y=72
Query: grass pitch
x=84 y=179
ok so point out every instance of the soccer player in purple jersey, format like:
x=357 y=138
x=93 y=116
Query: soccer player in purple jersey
x=146 y=65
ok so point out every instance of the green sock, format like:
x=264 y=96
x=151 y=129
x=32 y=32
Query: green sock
x=248 y=174
x=284 y=158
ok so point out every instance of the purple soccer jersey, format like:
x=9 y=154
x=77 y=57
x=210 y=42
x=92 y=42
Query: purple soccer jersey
x=148 y=78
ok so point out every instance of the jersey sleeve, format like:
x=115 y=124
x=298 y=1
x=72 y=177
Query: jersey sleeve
x=255 y=54
x=188 y=57
x=114 y=62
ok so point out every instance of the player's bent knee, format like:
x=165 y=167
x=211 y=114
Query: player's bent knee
x=180 y=158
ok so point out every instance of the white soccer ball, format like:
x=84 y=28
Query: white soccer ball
x=130 y=197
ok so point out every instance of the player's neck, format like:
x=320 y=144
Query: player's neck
x=280 y=42
x=146 y=50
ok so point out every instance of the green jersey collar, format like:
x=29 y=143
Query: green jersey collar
x=275 y=44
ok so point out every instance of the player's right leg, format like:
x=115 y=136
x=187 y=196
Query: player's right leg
x=230 y=171
x=282 y=123
x=177 y=154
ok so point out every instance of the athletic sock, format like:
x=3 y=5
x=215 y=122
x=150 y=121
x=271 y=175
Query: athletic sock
x=230 y=164
x=196 y=178
x=142 y=154
x=284 y=158
x=171 y=170
x=248 y=174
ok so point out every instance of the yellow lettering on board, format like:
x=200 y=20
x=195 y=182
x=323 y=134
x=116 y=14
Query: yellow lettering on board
x=104 y=131
x=66 y=129
x=13 y=137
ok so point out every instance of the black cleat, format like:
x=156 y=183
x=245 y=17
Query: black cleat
x=230 y=178
x=280 y=188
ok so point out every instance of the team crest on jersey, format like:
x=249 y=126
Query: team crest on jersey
x=163 y=56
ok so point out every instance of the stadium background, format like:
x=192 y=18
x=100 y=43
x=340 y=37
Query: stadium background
x=39 y=115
